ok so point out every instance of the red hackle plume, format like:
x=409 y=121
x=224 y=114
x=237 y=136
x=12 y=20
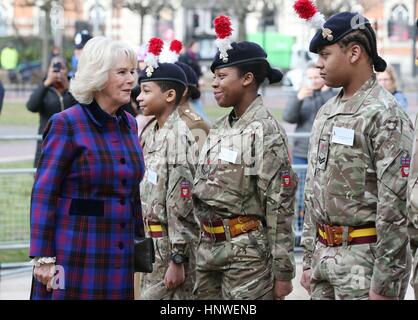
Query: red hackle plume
x=223 y=27
x=176 y=46
x=306 y=9
x=155 y=46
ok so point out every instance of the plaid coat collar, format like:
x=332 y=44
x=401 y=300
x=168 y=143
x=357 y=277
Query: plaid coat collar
x=100 y=117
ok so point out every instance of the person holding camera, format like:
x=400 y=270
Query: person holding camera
x=51 y=96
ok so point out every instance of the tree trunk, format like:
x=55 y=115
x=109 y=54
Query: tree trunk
x=242 y=28
x=46 y=37
x=141 y=30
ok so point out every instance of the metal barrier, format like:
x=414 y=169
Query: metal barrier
x=16 y=186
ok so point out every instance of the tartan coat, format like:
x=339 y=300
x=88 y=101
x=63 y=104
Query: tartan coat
x=85 y=204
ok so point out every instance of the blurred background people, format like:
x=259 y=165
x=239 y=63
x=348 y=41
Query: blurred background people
x=387 y=79
x=301 y=110
x=50 y=97
x=9 y=58
x=191 y=58
x=198 y=127
x=80 y=41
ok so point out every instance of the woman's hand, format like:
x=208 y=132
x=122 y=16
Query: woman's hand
x=174 y=276
x=44 y=274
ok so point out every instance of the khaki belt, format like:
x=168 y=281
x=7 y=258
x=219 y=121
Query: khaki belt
x=333 y=236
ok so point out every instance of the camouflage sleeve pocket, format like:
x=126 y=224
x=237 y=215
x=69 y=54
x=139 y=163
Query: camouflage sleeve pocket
x=395 y=175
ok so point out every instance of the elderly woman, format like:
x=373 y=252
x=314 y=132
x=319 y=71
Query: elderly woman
x=85 y=207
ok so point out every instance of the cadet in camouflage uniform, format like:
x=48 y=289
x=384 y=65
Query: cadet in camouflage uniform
x=195 y=123
x=355 y=236
x=244 y=188
x=169 y=153
x=412 y=208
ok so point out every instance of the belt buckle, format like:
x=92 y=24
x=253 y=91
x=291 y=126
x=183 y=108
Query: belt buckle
x=329 y=234
x=333 y=236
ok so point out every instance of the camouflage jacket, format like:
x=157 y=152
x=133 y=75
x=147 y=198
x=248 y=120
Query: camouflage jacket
x=195 y=123
x=357 y=174
x=169 y=154
x=244 y=169
x=412 y=200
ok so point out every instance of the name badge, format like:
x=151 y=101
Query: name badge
x=228 y=155
x=343 y=136
x=152 y=177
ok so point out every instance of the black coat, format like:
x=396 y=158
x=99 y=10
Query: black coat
x=47 y=101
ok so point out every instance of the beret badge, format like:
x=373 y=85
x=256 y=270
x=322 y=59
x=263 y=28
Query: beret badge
x=327 y=34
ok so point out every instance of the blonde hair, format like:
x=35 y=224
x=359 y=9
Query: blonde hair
x=392 y=75
x=99 y=56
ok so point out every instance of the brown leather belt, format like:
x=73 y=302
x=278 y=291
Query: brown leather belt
x=333 y=236
x=215 y=229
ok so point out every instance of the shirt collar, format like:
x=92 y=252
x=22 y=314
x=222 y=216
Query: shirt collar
x=100 y=117
x=247 y=116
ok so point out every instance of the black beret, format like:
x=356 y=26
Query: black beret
x=340 y=25
x=81 y=39
x=244 y=52
x=192 y=79
x=164 y=72
x=190 y=74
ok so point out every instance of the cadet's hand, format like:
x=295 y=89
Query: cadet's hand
x=304 y=92
x=305 y=281
x=375 y=296
x=174 y=276
x=282 y=289
x=45 y=274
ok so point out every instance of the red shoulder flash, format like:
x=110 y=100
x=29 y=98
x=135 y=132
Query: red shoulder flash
x=185 y=189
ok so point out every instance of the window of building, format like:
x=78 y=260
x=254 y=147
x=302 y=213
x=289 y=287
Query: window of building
x=97 y=18
x=398 y=24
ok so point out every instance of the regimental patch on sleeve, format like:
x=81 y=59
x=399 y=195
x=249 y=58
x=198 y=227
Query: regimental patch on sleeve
x=405 y=166
x=185 y=189
x=286 y=180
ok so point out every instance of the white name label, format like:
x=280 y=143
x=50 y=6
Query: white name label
x=152 y=177
x=228 y=155
x=343 y=136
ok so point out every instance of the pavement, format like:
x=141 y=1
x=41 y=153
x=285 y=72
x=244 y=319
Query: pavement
x=15 y=284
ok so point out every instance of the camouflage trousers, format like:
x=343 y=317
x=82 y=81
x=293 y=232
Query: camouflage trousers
x=239 y=268
x=345 y=273
x=414 y=278
x=152 y=284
